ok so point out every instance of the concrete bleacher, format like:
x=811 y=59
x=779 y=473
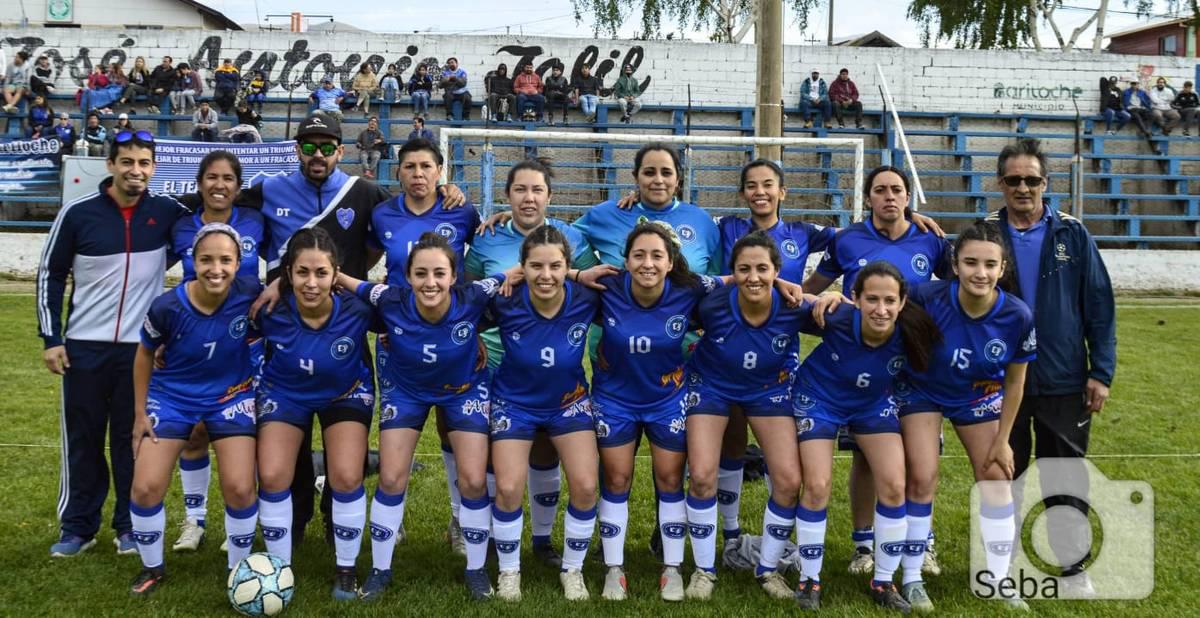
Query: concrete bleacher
x=1138 y=192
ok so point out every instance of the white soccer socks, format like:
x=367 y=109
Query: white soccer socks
x=891 y=528
x=920 y=517
x=506 y=530
x=614 y=518
x=578 y=526
x=275 y=518
x=387 y=516
x=194 y=477
x=349 y=518
x=810 y=541
x=702 y=528
x=149 y=526
x=475 y=518
x=672 y=523
x=998 y=527
x=729 y=495
x=778 y=522
x=545 y=485
x=240 y=525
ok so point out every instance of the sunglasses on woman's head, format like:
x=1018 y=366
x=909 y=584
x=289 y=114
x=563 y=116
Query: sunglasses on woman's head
x=309 y=149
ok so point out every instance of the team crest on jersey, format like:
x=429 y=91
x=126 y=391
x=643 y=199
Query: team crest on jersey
x=896 y=364
x=862 y=262
x=920 y=264
x=345 y=217
x=237 y=328
x=462 y=332
x=602 y=429
x=780 y=343
x=446 y=230
x=1030 y=343
x=385 y=384
x=577 y=333
x=342 y=348
x=387 y=235
x=804 y=424
x=380 y=533
x=674 y=530
x=686 y=233
x=609 y=530
x=811 y=552
x=995 y=350
x=267 y=408
x=346 y=533
x=248 y=246
x=676 y=326
x=388 y=413
x=790 y=248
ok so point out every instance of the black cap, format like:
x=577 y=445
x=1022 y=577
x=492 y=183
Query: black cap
x=320 y=124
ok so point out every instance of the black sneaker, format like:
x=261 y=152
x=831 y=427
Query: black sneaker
x=147 y=581
x=808 y=595
x=478 y=584
x=377 y=582
x=887 y=597
x=547 y=555
x=345 y=584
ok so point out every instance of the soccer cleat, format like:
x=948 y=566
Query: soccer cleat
x=918 y=599
x=885 y=596
x=701 y=586
x=1016 y=604
x=670 y=584
x=775 y=585
x=377 y=582
x=508 y=586
x=574 y=588
x=808 y=595
x=863 y=562
x=125 y=544
x=345 y=584
x=931 y=566
x=69 y=546
x=455 y=537
x=147 y=581
x=478 y=584
x=615 y=588
x=191 y=535
x=547 y=555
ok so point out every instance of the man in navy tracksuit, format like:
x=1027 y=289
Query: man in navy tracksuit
x=1061 y=276
x=113 y=245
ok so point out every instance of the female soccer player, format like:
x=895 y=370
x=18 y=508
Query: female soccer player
x=218 y=181
x=848 y=381
x=208 y=377
x=745 y=358
x=638 y=386
x=317 y=340
x=435 y=361
x=541 y=385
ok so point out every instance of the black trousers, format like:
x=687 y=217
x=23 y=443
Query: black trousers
x=1057 y=426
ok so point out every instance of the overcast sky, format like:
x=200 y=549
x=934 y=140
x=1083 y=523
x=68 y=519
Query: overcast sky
x=556 y=18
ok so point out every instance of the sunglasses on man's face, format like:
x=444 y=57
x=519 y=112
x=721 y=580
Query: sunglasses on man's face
x=144 y=137
x=1032 y=182
x=310 y=149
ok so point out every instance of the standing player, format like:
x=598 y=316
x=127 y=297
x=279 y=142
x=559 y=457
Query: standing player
x=541 y=385
x=219 y=179
x=208 y=377
x=113 y=244
x=317 y=366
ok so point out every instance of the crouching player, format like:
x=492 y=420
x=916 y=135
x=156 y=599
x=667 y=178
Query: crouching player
x=208 y=377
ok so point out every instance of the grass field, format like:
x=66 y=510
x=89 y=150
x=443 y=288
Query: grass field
x=1147 y=432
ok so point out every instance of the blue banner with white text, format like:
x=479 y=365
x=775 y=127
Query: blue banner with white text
x=29 y=168
x=177 y=163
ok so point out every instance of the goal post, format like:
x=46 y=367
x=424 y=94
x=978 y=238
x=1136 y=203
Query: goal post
x=823 y=176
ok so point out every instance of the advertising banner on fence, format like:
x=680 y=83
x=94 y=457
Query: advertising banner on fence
x=29 y=167
x=177 y=163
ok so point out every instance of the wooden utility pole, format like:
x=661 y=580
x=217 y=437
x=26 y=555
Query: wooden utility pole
x=768 y=115
x=829 y=33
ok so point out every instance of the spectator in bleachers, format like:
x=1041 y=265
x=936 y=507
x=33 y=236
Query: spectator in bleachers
x=500 y=98
x=188 y=86
x=390 y=85
x=65 y=132
x=256 y=90
x=205 y=123
x=16 y=81
x=95 y=135
x=42 y=80
x=329 y=97
x=1137 y=103
x=364 y=85
x=1188 y=105
x=98 y=93
x=531 y=103
x=246 y=129
x=1111 y=106
x=587 y=91
x=454 y=85
x=558 y=92
x=844 y=96
x=628 y=94
x=1161 y=111
x=121 y=125
x=814 y=93
x=419 y=131
x=116 y=79
x=139 y=83
x=227 y=80
x=371 y=147
x=162 y=84
x=420 y=88
x=41 y=118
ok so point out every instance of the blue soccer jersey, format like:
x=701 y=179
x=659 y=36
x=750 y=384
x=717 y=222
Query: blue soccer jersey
x=542 y=369
x=310 y=368
x=918 y=255
x=606 y=226
x=796 y=240
x=845 y=373
x=395 y=229
x=208 y=358
x=246 y=221
x=969 y=364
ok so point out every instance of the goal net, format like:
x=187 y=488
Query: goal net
x=823 y=175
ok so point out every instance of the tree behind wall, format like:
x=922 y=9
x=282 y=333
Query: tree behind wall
x=726 y=21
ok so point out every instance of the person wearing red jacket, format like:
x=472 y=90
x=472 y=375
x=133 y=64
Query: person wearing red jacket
x=528 y=86
x=844 y=95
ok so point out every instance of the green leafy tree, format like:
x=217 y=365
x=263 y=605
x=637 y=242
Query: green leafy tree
x=727 y=21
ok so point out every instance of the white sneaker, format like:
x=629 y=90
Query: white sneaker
x=775 y=585
x=615 y=588
x=931 y=566
x=702 y=584
x=863 y=562
x=670 y=585
x=508 y=586
x=574 y=589
x=191 y=534
x=455 y=537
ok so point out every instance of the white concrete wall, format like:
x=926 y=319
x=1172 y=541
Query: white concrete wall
x=1131 y=271
x=718 y=74
x=117 y=13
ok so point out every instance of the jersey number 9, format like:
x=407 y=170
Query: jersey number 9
x=547 y=357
